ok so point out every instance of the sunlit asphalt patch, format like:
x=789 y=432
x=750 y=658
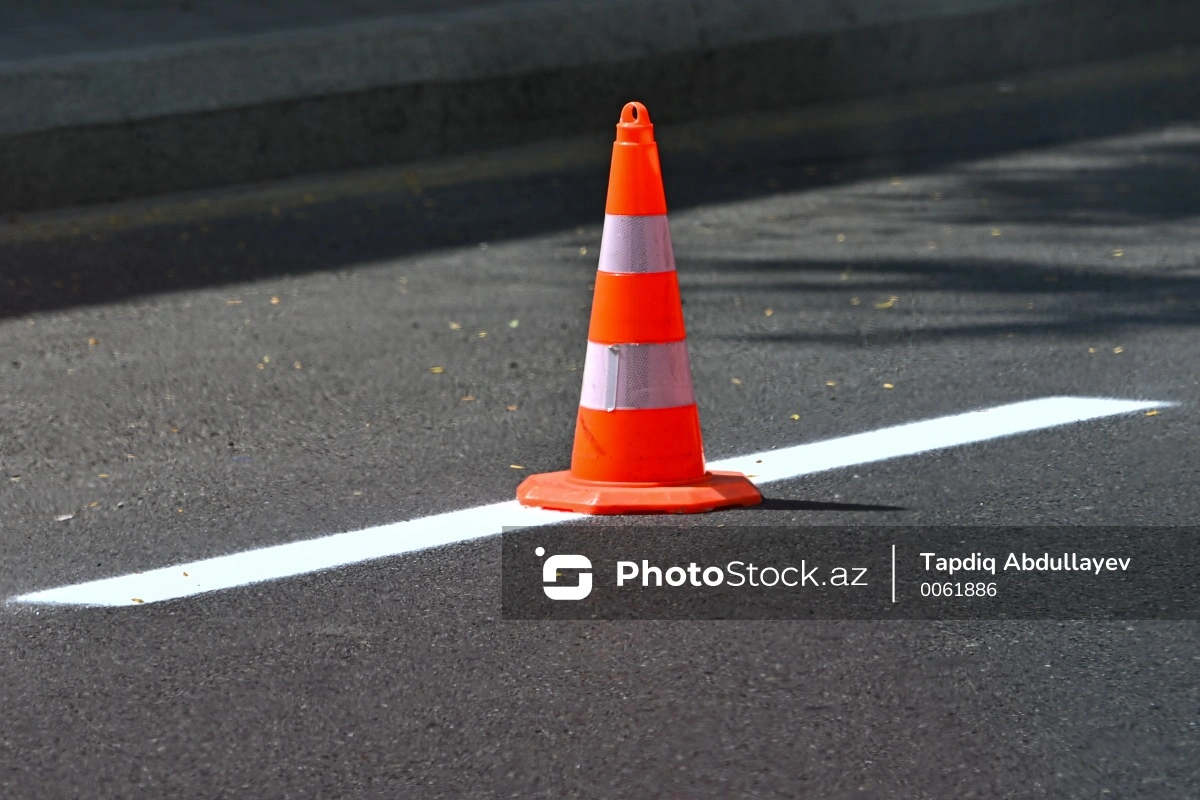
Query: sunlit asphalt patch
x=337 y=550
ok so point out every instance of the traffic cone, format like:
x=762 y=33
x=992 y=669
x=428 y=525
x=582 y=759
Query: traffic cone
x=638 y=447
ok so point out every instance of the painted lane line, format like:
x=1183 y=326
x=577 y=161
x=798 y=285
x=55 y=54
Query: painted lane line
x=337 y=550
x=933 y=434
x=298 y=558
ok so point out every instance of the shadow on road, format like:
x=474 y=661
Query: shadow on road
x=1097 y=184
x=781 y=504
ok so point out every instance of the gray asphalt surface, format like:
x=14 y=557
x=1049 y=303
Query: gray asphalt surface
x=77 y=27
x=190 y=390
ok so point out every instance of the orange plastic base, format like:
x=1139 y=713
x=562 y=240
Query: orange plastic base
x=559 y=491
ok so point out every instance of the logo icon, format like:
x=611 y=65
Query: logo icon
x=550 y=574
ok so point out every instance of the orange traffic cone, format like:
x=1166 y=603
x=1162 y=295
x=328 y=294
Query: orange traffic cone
x=638 y=447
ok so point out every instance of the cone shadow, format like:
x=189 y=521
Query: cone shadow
x=780 y=504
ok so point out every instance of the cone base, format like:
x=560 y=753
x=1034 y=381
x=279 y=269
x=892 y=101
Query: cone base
x=558 y=491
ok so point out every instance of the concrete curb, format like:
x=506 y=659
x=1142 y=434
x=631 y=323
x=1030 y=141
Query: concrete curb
x=114 y=126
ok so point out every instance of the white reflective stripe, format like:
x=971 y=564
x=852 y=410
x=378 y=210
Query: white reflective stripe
x=631 y=376
x=612 y=362
x=633 y=245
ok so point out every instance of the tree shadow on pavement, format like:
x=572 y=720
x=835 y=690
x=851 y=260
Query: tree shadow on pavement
x=1090 y=183
x=1079 y=301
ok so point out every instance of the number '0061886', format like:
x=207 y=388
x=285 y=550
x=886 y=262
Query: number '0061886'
x=958 y=590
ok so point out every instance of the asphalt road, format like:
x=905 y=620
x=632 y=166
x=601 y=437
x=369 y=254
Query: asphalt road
x=219 y=383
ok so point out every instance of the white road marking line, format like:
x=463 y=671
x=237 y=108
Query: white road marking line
x=933 y=434
x=327 y=552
